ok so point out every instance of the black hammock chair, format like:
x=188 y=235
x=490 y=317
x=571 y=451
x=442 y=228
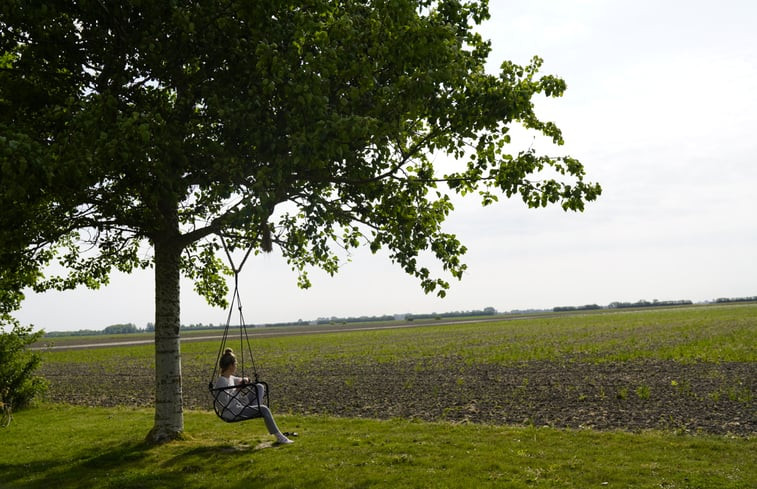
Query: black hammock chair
x=237 y=402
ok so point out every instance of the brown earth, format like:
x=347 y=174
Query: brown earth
x=699 y=397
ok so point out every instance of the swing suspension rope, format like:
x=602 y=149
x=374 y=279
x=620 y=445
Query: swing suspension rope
x=238 y=402
x=236 y=299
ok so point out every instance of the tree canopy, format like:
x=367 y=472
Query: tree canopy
x=304 y=125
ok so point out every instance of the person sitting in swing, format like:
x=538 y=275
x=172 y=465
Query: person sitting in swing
x=240 y=402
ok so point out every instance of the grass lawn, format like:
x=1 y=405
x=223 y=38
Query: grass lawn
x=62 y=446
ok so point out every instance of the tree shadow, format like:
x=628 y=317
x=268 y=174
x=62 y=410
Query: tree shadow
x=127 y=466
x=120 y=465
x=137 y=464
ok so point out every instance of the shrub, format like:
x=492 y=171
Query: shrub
x=18 y=384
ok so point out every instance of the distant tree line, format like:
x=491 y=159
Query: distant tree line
x=361 y=319
x=112 y=329
x=627 y=305
x=125 y=328
x=736 y=299
x=587 y=307
x=197 y=326
x=80 y=332
x=488 y=311
x=643 y=303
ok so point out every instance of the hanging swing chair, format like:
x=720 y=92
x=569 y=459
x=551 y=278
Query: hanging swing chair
x=239 y=402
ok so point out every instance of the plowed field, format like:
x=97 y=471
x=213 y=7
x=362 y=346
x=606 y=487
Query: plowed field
x=356 y=376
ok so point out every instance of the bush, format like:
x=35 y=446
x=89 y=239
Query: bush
x=18 y=385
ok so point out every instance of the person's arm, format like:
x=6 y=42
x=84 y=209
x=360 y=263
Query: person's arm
x=239 y=380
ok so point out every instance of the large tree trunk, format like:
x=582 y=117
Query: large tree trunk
x=169 y=417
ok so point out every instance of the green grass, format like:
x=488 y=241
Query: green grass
x=710 y=334
x=693 y=334
x=74 y=447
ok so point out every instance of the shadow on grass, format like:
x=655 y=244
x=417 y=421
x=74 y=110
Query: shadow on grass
x=128 y=465
x=90 y=468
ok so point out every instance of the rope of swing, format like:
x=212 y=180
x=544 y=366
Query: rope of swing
x=236 y=299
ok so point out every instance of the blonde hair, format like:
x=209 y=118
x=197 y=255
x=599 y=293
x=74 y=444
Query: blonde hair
x=227 y=359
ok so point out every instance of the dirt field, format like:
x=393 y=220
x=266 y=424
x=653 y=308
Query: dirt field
x=700 y=397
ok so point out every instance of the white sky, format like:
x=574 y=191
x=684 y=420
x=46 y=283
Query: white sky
x=661 y=108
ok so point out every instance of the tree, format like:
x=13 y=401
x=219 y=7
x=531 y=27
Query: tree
x=18 y=384
x=306 y=125
x=120 y=329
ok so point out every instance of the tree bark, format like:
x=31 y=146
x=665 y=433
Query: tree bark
x=169 y=416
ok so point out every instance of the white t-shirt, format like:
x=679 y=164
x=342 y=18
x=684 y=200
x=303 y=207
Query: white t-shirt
x=225 y=401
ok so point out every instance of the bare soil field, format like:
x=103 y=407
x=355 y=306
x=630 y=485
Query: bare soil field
x=698 y=397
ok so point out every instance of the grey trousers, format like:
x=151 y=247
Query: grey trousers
x=252 y=410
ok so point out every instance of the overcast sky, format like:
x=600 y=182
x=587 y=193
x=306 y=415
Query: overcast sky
x=661 y=108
